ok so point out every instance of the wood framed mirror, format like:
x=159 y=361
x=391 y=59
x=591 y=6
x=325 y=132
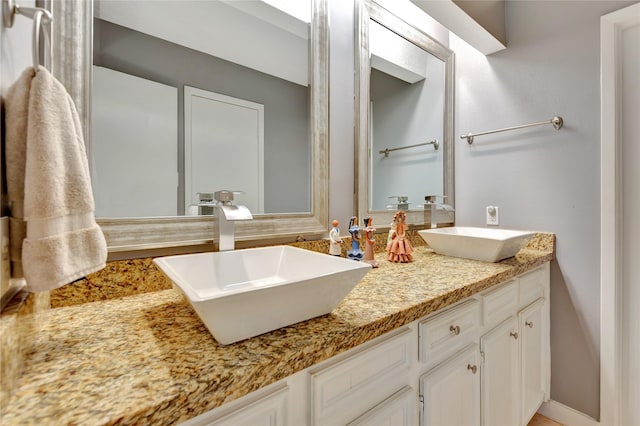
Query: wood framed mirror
x=72 y=61
x=404 y=119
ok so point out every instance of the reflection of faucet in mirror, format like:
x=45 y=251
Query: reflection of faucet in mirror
x=227 y=214
x=431 y=206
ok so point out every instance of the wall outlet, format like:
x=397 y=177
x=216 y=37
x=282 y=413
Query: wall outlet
x=493 y=215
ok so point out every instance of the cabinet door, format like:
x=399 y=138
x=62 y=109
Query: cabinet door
x=500 y=374
x=531 y=322
x=397 y=410
x=451 y=391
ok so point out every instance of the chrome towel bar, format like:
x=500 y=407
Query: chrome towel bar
x=434 y=142
x=40 y=17
x=556 y=121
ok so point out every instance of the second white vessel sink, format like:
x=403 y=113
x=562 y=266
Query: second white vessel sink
x=243 y=293
x=486 y=244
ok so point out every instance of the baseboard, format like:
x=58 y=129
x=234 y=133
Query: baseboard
x=566 y=415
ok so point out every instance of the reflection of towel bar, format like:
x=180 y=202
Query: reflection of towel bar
x=40 y=17
x=556 y=121
x=434 y=142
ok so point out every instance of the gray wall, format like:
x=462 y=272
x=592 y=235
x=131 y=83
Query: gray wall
x=286 y=153
x=541 y=179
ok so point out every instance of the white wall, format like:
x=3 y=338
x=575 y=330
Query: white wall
x=543 y=179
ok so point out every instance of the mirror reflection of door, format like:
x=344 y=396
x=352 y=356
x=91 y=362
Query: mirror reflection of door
x=407 y=88
x=134 y=134
x=224 y=147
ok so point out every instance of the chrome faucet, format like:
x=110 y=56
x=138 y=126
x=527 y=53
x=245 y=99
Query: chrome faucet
x=226 y=214
x=431 y=206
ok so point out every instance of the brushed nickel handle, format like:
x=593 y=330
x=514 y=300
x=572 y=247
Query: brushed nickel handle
x=473 y=368
x=529 y=324
x=455 y=329
x=514 y=335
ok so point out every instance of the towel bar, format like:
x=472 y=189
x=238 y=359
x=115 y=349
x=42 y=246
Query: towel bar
x=556 y=121
x=434 y=142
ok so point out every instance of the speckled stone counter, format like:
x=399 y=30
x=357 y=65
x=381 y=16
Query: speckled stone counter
x=147 y=359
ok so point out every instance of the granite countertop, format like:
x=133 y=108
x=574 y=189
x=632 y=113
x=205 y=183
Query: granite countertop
x=147 y=358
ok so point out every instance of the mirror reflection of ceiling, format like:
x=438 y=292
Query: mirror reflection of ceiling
x=255 y=34
x=254 y=51
x=396 y=56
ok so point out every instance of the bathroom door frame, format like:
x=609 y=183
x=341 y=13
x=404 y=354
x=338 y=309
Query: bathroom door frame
x=611 y=209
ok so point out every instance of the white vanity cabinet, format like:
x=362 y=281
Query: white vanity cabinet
x=515 y=353
x=483 y=361
x=512 y=356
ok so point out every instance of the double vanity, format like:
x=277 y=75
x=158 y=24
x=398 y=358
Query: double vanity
x=442 y=340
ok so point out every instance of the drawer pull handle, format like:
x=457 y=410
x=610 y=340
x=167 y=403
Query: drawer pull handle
x=455 y=329
x=473 y=368
x=514 y=335
x=529 y=324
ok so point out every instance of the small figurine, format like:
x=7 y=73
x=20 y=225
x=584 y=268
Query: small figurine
x=399 y=249
x=355 y=253
x=335 y=242
x=369 y=243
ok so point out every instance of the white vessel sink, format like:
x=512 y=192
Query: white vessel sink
x=489 y=245
x=242 y=293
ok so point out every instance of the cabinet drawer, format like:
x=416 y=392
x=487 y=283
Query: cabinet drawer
x=531 y=287
x=500 y=303
x=445 y=333
x=344 y=391
x=398 y=410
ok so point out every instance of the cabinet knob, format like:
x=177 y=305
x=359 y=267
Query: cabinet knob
x=514 y=335
x=529 y=324
x=473 y=368
x=455 y=329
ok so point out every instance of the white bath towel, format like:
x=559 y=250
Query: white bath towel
x=48 y=184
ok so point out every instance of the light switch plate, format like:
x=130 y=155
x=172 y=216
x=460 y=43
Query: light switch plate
x=493 y=215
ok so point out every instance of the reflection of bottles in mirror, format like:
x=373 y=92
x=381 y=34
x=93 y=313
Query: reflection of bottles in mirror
x=402 y=203
x=192 y=210
x=205 y=203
